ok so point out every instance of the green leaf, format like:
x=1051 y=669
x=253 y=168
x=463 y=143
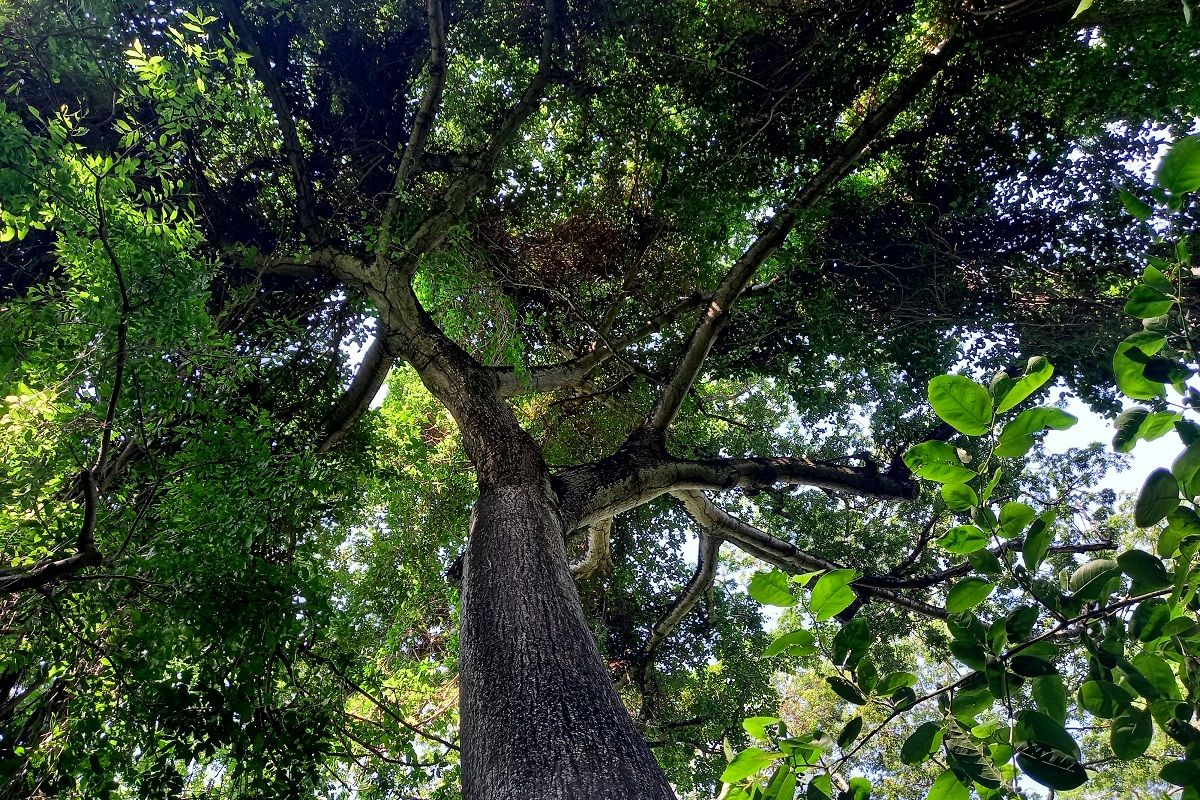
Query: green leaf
x=1158 y=498
x=1051 y=697
x=783 y=785
x=797 y=643
x=962 y=403
x=1159 y=673
x=959 y=496
x=1149 y=619
x=1146 y=302
x=948 y=787
x=1034 y=726
x=1182 y=524
x=748 y=762
x=937 y=461
x=832 y=593
x=846 y=690
x=1083 y=6
x=1051 y=768
x=1089 y=580
x=968 y=593
x=963 y=539
x=1136 y=207
x=1032 y=666
x=1128 y=368
x=1037 y=541
x=1139 y=423
x=1131 y=733
x=1017 y=436
x=1104 y=699
x=1008 y=392
x=851 y=642
x=1013 y=519
x=757 y=726
x=771 y=589
x=921 y=743
x=850 y=732
x=1181 y=773
x=1147 y=571
x=1179 y=171
x=893 y=681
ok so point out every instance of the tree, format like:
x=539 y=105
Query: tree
x=545 y=217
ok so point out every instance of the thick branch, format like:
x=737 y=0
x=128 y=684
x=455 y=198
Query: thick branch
x=700 y=582
x=599 y=550
x=292 y=149
x=372 y=372
x=716 y=315
x=86 y=553
x=627 y=480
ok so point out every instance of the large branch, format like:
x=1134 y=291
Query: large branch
x=785 y=555
x=293 y=151
x=372 y=372
x=716 y=315
x=627 y=479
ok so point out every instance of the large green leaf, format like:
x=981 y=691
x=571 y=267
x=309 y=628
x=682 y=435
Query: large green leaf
x=846 y=690
x=1008 y=392
x=796 y=643
x=771 y=589
x=921 y=743
x=851 y=642
x=968 y=593
x=748 y=762
x=1104 y=699
x=1149 y=619
x=1158 y=498
x=1129 y=359
x=1051 y=697
x=1146 y=302
x=1051 y=768
x=937 y=461
x=948 y=787
x=962 y=403
x=1014 y=517
x=963 y=539
x=1037 y=541
x=1131 y=733
x=1179 y=170
x=757 y=726
x=1182 y=773
x=1034 y=726
x=1017 y=436
x=1090 y=579
x=1147 y=571
x=959 y=496
x=832 y=593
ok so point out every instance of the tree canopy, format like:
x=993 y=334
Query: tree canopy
x=426 y=400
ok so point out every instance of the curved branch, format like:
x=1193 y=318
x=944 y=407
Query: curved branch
x=785 y=555
x=372 y=372
x=434 y=227
x=716 y=315
x=292 y=149
x=86 y=553
x=599 y=550
x=700 y=582
x=626 y=480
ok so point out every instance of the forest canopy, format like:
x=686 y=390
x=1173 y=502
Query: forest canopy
x=460 y=398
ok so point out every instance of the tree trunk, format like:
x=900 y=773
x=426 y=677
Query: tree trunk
x=540 y=718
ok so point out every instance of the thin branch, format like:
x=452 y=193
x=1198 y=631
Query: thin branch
x=110 y=415
x=305 y=198
x=716 y=315
x=346 y=679
x=434 y=227
x=421 y=126
x=86 y=553
x=709 y=549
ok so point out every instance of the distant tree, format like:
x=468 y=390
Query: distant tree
x=633 y=274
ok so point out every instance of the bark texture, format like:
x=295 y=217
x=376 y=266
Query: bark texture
x=540 y=718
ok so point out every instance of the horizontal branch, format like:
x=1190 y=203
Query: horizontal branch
x=627 y=480
x=372 y=372
x=785 y=555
